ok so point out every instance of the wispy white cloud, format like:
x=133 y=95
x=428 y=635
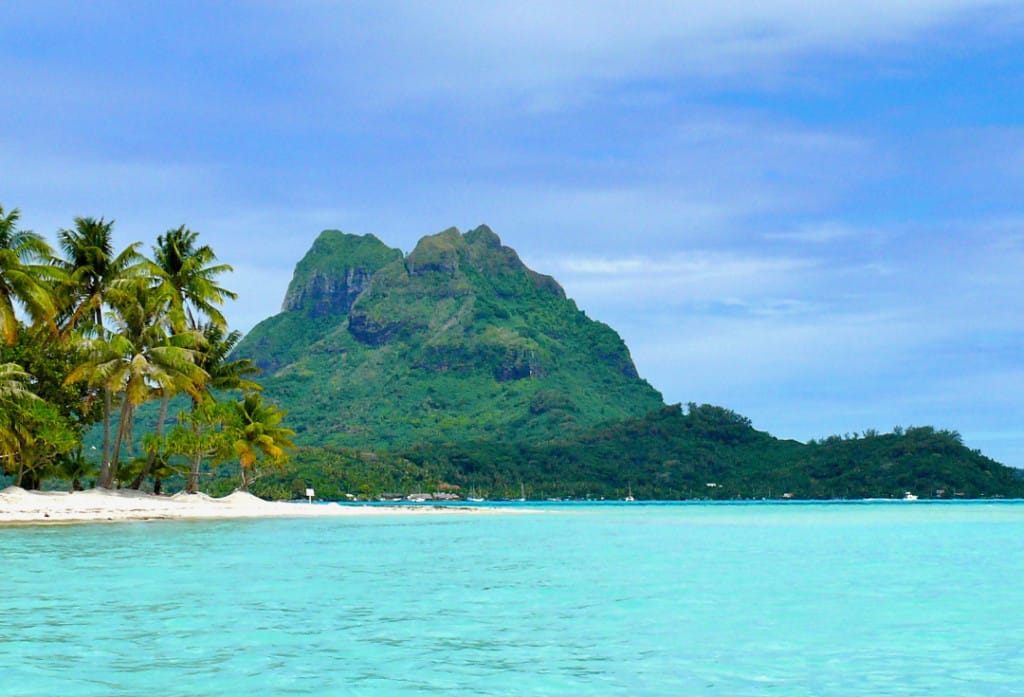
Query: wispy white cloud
x=821 y=232
x=509 y=49
x=680 y=279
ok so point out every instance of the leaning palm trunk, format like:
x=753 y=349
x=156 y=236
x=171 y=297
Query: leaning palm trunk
x=192 y=486
x=122 y=430
x=151 y=458
x=108 y=410
x=105 y=463
x=193 y=477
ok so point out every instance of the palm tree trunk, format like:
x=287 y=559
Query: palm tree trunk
x=192 y=486
x=108 y=408
x=105 y=463
x=164 y=401
x=122 y=428
x=128 y=440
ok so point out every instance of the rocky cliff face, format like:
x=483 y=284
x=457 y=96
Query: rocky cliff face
x=335 y=271
x=321 y=295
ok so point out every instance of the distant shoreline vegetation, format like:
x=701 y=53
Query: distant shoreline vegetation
x=453 y=372
x=699 y=452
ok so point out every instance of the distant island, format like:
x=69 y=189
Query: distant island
x=455 y=368
x=450 y=372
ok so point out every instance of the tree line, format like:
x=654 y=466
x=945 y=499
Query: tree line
x=89 y=333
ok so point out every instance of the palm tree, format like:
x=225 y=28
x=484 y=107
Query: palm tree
x=223 y=375
x=140 y=359
x=14 y=392
x=21 y=280
x=32 y=432
x=254 y=434
x=14 y=384
x=93 y=271
x=188 y=274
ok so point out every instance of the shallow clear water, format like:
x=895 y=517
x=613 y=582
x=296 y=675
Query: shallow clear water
x=826 y=599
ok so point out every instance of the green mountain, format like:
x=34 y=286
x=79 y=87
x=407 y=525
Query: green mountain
x=454 y=342
x=457 y=368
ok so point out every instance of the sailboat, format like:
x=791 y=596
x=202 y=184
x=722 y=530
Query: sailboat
x=522 y=492
x=629 y=496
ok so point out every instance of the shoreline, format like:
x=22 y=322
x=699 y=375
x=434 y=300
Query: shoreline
x=21 y=507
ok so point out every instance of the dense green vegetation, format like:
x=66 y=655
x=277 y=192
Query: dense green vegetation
x=671 y=453
x=107 y=332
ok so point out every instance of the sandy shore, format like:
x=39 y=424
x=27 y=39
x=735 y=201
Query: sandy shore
x=99 y=505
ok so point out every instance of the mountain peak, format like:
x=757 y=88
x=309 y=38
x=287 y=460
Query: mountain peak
x=335 y=270
x=438 y=252
x=483 y=236
x=457 y=338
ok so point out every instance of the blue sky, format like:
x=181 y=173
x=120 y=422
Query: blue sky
x=811 y=213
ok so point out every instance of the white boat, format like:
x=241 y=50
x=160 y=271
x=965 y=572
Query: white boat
x=907 y=496
x=629 y=496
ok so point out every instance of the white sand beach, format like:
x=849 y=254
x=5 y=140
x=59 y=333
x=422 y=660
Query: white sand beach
x=99 y=505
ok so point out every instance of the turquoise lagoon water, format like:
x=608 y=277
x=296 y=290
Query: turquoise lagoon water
x=762 y=599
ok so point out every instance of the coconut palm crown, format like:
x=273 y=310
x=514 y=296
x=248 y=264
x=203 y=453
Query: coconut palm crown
x=190 y=272
x=22 y=279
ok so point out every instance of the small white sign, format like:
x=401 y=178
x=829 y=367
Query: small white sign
x=310 y=494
